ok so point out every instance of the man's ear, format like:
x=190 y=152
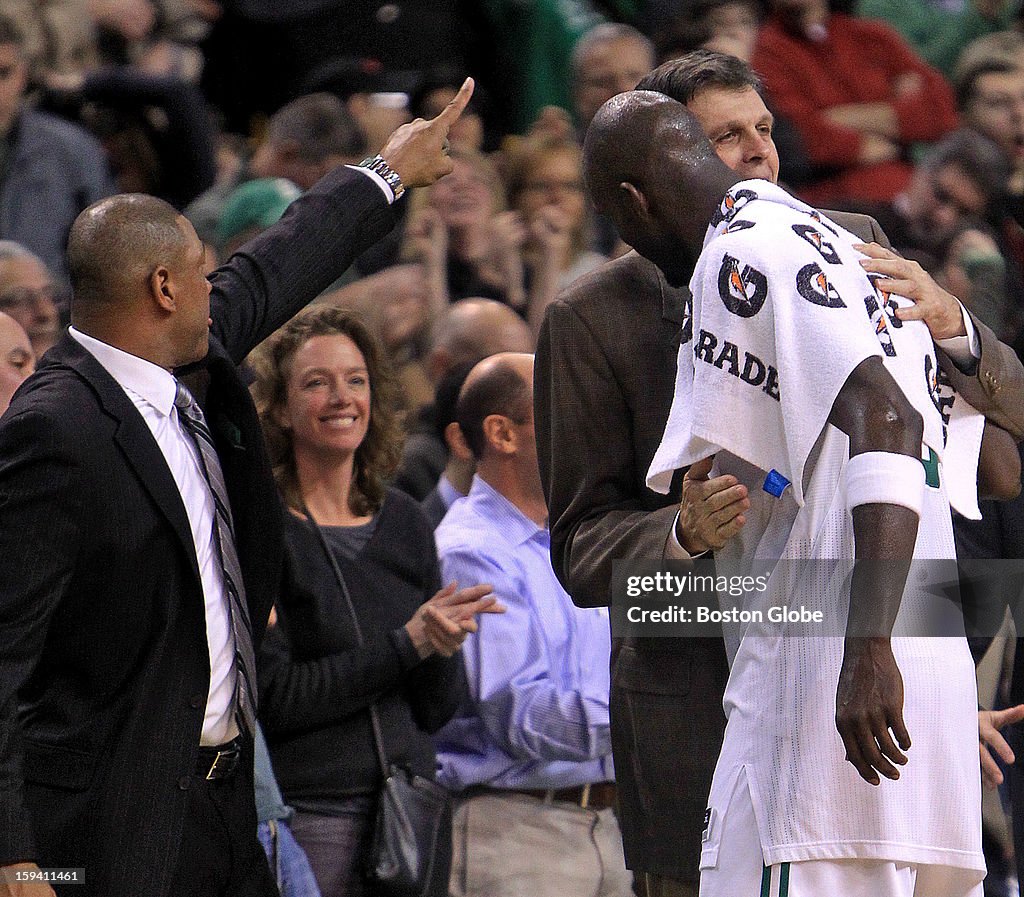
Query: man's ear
x=633 y=199
x=161 y=289
x=456 y=441
x=498 y=433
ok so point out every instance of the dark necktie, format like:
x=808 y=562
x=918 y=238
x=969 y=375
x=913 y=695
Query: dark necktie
x=194 y=421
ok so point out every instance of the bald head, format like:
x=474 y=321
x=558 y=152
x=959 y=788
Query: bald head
x=138 y=275
x=631 y=138
x=115 y=245
x=499 y=385
x=471 y=329
x=651 y=169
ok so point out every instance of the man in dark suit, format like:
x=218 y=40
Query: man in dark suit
x=605 y=375
x=141 y=549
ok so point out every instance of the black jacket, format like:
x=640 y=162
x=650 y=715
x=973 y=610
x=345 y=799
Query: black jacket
x=316 y=682
x=104 y=666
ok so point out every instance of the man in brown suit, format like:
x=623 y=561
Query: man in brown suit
x=605 y=375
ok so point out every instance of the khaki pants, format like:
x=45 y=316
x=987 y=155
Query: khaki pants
x=514 y=845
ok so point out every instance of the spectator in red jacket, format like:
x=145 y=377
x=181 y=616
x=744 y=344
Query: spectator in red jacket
x=857 y=94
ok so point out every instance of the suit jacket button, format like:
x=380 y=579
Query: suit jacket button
x=184 y=782
x=197 y=701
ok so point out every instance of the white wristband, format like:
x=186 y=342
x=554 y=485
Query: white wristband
x=885 y=478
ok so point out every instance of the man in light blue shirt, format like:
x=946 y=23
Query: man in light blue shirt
x=530 y=753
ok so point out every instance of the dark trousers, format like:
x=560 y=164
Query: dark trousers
x=647 y=885
x=220 y=854
x=337 y=845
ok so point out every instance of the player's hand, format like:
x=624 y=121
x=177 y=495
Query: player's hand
x=418 y=150
x=990 y=724
x=11 y=888
x=932 y=304
x=711 y=510
x=869 y=709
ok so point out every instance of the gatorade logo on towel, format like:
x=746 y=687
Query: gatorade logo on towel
x=813 y=285
x=732 y=202
x=814 y=237
x=743 y=290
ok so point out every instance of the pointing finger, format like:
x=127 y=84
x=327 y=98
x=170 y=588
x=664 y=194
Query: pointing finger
x=453 y=110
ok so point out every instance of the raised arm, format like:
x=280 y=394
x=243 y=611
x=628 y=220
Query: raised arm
x=283 y=269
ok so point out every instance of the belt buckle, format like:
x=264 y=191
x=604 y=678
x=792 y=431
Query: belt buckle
x=213 y=766
x=585 y=797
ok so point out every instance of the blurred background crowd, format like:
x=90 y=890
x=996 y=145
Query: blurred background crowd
x=909 y=110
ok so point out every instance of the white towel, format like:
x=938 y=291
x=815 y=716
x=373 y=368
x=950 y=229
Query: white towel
x=782 y=313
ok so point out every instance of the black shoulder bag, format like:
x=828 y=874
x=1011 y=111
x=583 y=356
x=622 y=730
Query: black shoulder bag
x=411 y=852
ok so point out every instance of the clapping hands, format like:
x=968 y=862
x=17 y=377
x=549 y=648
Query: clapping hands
x=441 y=625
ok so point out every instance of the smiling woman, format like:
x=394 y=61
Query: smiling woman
x=327 y=403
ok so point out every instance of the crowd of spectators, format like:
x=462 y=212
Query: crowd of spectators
x=910 y=111
x=98 y=96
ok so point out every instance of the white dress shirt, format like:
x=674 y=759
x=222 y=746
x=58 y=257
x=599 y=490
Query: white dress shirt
x=151 y=390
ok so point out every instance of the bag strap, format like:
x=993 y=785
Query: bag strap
x=378 y=738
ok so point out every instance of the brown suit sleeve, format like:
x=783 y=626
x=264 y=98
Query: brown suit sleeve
x=996 y=387
x=878 y=235
x=587 y=463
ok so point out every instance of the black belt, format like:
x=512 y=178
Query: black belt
x=219 y=762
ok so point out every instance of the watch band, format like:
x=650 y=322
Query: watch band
x=379 y=166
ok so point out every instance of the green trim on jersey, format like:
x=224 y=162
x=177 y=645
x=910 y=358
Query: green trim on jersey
x=766 y=881
x=931 y=468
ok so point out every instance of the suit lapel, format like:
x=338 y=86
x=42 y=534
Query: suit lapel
x=134 y=438
x=676 y=309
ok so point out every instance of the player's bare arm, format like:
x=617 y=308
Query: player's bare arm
x=872 y=410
